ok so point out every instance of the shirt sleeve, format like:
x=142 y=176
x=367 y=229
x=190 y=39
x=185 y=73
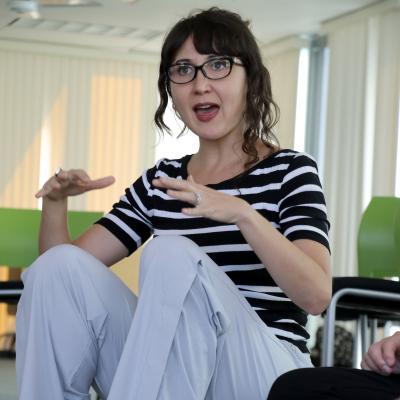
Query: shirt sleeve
x=302 y=208
x=130 y=220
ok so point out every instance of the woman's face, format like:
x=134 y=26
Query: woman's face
x=212 y=109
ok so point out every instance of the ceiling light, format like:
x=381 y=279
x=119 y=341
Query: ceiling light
x=26 y=8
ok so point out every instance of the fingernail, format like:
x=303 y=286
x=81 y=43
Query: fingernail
x=387 y=369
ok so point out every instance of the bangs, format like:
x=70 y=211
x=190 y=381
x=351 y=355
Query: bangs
x=212 y=33
x=214 y=39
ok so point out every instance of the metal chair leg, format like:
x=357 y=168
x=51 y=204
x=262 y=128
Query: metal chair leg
x=374 y=328
x=364 y=333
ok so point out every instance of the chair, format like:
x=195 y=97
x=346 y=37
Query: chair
x=369 y=298
x=19 y=230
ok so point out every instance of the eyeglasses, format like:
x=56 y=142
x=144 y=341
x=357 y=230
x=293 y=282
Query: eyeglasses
x=214 y=68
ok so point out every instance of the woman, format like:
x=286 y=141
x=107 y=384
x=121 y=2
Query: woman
x=239 y=259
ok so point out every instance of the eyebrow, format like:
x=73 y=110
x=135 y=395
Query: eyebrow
x=189 y=61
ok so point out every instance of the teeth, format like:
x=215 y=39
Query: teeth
x=204 y=107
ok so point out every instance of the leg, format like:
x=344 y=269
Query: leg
x=194 y=336
x=72 y=322
x=334 y=383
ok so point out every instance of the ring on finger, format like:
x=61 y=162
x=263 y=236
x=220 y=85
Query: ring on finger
x=198 y=197
x=59 y=169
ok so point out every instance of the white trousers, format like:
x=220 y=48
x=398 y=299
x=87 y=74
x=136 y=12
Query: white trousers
x=189 y=336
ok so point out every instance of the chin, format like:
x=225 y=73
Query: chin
x=209 y=135
x=207 y=131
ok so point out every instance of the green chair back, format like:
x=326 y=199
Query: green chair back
x=19 y=233
x=379 y=239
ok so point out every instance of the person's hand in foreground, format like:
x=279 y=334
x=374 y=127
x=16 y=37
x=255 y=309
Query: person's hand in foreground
x=383 y=357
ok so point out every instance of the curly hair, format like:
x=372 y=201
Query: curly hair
x=222 y=32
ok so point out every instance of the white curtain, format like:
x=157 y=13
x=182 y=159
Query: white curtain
x=387 y=105
x=76 y=109
x=282 y=60
x=362 y=117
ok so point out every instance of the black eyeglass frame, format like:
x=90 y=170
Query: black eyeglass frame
x=232 y=61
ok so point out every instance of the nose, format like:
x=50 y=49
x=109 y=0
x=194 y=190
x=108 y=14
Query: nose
x=201 y=83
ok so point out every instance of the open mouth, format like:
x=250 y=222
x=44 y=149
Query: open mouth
x=206 y=111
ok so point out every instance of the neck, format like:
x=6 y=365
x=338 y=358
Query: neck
x=214 y=164
x=211 y=153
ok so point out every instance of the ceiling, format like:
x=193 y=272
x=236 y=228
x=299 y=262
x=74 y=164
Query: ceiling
x=127 y=26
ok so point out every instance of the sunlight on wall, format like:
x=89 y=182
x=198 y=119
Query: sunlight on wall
x=114 y=132
x=52 y=139
x=20 y=188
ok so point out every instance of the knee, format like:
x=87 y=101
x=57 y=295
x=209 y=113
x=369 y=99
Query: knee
x=169 y=244
x=168 y=249
x=57 y=260
x=170 y=253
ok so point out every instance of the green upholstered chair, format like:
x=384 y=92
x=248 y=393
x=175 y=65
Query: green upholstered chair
x=369 y=297
x=19 y=230
x=379 y=239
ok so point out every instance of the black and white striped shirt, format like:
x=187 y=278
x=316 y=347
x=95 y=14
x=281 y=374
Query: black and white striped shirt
x=284 y=188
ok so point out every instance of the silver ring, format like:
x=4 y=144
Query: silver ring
x=198 y=198
x=59 y=169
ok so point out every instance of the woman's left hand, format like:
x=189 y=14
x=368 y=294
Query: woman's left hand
x=208 y=203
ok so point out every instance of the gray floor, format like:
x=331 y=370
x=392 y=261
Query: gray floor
x=8 y=387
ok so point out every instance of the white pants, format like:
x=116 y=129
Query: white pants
x=189 y=336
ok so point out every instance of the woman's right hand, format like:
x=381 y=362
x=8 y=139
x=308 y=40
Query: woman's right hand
x=71 y=183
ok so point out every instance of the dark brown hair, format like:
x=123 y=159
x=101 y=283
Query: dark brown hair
x=221 y=32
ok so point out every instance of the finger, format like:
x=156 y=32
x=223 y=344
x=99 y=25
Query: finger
x=388 y=352
x=81 y=174
x=378 y=364
x=191 y=179
x=194 y=211
x=188 y=197
x=39 y=194
x=364 y=365
x=62 y=176
x=375 y=354
x=368 y=363
x=47 y=188
x=170 y=183
x=99 y=183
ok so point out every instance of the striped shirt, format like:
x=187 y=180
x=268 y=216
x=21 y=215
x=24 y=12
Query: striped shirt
x=284 y=188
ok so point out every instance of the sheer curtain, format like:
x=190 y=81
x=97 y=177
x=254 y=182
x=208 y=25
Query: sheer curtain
x=282 y=60
x=362 y=121
x=76 y=109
